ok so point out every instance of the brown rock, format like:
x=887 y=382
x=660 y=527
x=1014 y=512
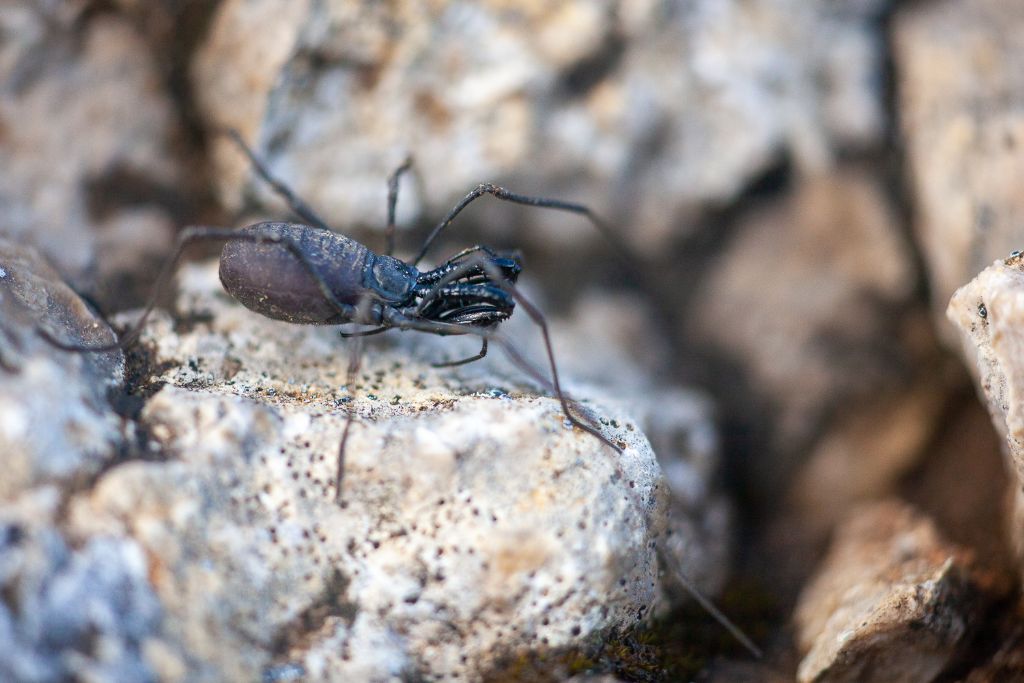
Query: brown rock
x=961 y=93
x=892 y=601
x=989 y=311
x=811 y=300
x=56 y=426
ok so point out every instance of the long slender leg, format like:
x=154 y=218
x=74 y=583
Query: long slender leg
x=464 y=361
x=543 y=202
x=193 y=235
x=541 y=322
x=301 y=209
x=395 y=319
x=363 y=333
x=705 y=602
x=389 y=231
x=355 y=358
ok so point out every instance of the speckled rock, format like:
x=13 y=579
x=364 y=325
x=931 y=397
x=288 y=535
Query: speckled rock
x=56 y=425
x=609 y=346
x=80 y=610
x=892 y=601
x=989 y=312
x=646 y=110
x=82 y=613
x=84 y=140
x=476 y=523
x=961 y=107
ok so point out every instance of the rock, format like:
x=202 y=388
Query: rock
x=608 y=343
x=84 y=613
x=892 y=601
x=476 y=524
x=965 y=487
x=84 y=610
x=812 y=304
x=620 y=106
x=85 y=128
x=989 y=312
x=961 y=115
x=56 y=426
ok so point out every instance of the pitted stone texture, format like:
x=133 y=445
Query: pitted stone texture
x=645 y=110
x=608 y=344
x=83 y=611
x=56 y=425
x=961 y=100
x=989 y=312
x=892 y=601
x=476 y=522
x=82 y=107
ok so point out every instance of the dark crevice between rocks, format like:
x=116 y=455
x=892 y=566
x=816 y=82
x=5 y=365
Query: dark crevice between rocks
x=994 y=627
x=127 y=401
x=894 y=167
x=671 y=281
x=998 y=643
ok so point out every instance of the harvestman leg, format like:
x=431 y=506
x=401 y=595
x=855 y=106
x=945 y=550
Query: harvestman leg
x=355 y=360
x=389 y=231
x=301 y=208
x=543 y=202
x=389 y=234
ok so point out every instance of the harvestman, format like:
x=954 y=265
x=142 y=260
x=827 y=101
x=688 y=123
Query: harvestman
x=309 y=274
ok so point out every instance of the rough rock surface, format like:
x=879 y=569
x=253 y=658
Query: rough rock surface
x=82 y=613
x=84 y=139
x=476 y=523
x=892 y=601
x=605 y=343
x=67 y=610
x=55 y=423
x=961 y=106
x=989 y=312
x=670 y=104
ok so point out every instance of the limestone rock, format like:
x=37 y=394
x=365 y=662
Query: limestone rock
x=989 y=312
x=476 y=523
x=84 y=613
x=56 y=425
x=643 y=110
x=961 y=100
x=892 y=601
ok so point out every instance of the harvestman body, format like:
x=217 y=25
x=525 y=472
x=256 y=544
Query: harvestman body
x=309 y=274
